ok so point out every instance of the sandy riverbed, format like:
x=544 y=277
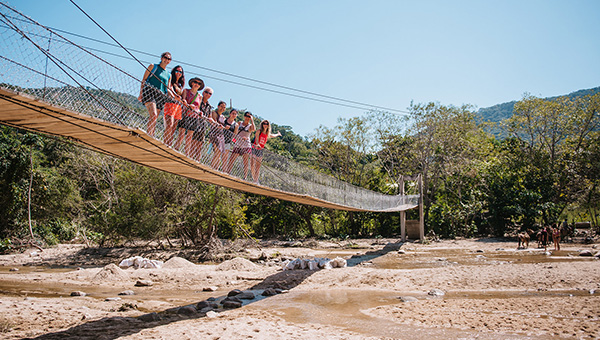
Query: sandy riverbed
x=491 y=291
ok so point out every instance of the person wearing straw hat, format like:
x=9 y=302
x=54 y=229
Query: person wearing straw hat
x=191 y=114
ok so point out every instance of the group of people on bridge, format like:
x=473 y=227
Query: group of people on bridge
x=188 y=114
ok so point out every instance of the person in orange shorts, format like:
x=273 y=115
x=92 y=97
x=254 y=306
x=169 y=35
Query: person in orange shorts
x=173 y=108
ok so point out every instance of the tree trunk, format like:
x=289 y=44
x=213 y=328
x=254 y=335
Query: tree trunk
x=32 y=241
x=211 y=227
x=308 y=219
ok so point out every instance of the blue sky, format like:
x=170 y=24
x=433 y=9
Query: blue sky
x=384 y=53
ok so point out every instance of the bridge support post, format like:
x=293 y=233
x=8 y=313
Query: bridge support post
x=421 y=215
x=402 y=213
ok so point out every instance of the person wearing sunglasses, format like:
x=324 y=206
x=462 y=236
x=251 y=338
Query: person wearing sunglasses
x=203 y=123
x=173 y=107
x=217 y=136
x=242 y=147
x=153 y=90
x=260 y=140
x=191 y=114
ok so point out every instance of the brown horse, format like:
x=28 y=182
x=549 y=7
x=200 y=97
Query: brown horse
x=524 y=239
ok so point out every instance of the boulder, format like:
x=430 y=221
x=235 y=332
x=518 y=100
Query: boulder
x=269 y=292
x=144 y=283
x=408 y=299
x=246 y=296
x=150 y=317
x=234 y=292
x=78 y=293
x=187 y=310
x=232 y=304
x=339 y=262
x=436 y=292
x=206 y=305
x=231 y=298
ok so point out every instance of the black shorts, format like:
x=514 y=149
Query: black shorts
x=188 y=123
x=241 y=151
x=257 y=152
x=151 y=94
x=201 y=129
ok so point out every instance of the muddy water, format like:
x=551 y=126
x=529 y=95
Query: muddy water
x=10 y=286
x=447 y=257
x=346 y=309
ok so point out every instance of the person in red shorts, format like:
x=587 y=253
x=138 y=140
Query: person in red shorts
x=173 y=108
x=260 y=139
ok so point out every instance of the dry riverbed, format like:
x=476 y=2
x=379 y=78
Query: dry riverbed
x=467 y=289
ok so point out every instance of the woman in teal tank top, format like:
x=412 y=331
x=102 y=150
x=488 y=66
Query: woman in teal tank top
x=153 y=91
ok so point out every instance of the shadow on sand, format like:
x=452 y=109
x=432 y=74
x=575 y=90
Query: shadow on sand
x=117 y=326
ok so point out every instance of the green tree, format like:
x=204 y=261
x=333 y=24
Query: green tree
x=555 y=135
x=447 y=146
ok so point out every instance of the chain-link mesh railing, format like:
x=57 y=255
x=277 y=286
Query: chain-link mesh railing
x=37 y=61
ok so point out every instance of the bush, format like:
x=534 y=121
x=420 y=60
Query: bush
x=5 y=246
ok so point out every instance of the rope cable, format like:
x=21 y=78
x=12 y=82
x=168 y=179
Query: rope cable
x=127 y=49
x=57 y=61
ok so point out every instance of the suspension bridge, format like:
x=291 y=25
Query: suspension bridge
x=53 y=86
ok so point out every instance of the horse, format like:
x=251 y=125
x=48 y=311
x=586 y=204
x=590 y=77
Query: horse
x=524 y=239
x=543 y=237
x=567 y=233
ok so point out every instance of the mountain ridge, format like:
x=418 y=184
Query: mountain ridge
x=499 y=112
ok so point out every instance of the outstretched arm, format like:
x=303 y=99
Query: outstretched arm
x=252 y=126
x=146 y=75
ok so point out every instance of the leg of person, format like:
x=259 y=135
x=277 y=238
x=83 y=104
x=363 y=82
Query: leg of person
x=214 y=161
x=179 y=140
x=169 y=129
x=258 y=161
x=224 y=157
x=198 y=147
x=194 y=148
x=188 y=142
x=153 y=112
x=232 y=158
x=246 y=165
x=253 y=165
